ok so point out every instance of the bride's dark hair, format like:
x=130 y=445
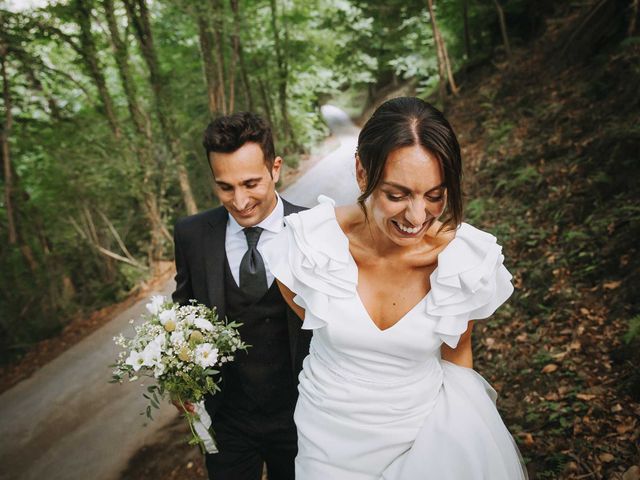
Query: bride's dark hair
x=405 y=122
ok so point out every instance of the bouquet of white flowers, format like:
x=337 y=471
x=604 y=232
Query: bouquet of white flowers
x=182 y=348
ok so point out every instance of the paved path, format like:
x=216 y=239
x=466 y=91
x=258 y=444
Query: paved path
x=67 y=422
x=334 y=176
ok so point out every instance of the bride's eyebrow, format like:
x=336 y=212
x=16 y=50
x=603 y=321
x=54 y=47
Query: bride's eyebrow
x=396 y=185
x=408 y=190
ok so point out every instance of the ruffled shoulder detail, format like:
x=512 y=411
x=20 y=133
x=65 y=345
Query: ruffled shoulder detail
x=469 y=283
x=311 y=257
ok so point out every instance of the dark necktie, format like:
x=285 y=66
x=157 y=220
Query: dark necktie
x=253 y=276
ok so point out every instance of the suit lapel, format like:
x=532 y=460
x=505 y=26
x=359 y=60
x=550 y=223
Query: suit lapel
x=214 y=256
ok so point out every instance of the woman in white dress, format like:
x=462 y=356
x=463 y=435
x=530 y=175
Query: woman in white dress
x=390 y=287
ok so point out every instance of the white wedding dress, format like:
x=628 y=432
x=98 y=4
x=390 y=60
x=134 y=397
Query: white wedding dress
x=382 y=404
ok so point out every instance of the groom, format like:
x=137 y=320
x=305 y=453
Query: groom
x=218 y=263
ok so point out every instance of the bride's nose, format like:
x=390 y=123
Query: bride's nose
x=416 y=212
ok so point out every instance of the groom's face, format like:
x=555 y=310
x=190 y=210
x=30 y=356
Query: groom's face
x=244 y=183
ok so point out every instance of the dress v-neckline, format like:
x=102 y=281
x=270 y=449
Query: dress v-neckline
x=393 y=325
x=357 y=294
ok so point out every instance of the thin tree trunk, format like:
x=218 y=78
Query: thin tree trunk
x=6 y=158
x=144 y=145
x=444 y=67
x=139 y=18
x=89 y=52
x=503 y=29
x=232 y=72
x=208 y=63
x=266 y=102
x=283 y=74
x=10 y=180
x=237 y=42
x=467 y=36
x=633 y=18
x=218 y=32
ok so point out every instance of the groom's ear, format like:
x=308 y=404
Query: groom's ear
x=276 y=169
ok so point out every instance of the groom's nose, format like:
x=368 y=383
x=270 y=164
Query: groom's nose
x=240 y=199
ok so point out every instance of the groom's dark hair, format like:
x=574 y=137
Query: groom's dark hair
x=228 y=133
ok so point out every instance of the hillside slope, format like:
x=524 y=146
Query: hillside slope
x=551 y=152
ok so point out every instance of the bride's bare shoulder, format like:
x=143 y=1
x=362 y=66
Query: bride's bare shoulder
x=439 y=236
x=348 y=216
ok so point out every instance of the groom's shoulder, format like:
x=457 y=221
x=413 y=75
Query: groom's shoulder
x=290 y=208
x=195 y=222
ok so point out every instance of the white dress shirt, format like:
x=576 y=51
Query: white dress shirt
x=236 y=242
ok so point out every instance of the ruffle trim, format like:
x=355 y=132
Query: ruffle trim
x=469 y=283
x=311 y=257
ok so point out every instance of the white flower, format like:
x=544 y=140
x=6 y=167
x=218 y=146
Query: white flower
x=177 y=337
x=206 y=355
x=152 y=353
x=190 y=319
x=167 y=315
x=155 y=304
x=168 y=319
x=203 y=324
x=135 y=359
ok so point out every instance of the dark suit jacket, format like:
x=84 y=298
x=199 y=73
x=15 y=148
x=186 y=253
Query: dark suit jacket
x=200 y=257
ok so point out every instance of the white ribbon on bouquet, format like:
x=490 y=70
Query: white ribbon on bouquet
x=201 y=425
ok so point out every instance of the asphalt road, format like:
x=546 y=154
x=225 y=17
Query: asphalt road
x=66 y=422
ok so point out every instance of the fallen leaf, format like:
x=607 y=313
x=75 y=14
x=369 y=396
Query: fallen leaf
x=624 y=428
x=585 y=396
x=527 y=438
x=612 y=285
x=606 y=457
x=632 y=474
x=550 y=368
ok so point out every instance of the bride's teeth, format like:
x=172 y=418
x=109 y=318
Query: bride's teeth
x=408 y=230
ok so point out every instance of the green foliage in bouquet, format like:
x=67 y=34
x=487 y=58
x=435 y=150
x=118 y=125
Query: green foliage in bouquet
x=182 y=348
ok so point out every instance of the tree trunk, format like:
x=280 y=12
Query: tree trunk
x=6 y=159
x=90 y=55
x=444 y=66
x=139 y=18
x=503 y=29
x=218 y=32
x=467 y=36
x=633 y=18
x=10 y=179
x=143 y=149
x=266 y=103
x=238 y=45
x=283 y=74
x=206 y=46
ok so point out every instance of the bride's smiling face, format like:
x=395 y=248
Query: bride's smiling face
x=410 y=196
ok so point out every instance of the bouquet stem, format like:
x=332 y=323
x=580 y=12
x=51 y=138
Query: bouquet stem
x=199 y=424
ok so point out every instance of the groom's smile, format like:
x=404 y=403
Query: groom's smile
x=245 y=183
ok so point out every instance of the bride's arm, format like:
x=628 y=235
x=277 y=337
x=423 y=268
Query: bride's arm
x=462 y=354
x=288 y=297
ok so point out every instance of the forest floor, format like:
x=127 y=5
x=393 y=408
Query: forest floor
x=533 y=135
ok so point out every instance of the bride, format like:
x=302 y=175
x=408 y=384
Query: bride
x=390 y=287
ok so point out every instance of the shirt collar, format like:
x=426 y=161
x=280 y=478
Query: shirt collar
x=273 y=223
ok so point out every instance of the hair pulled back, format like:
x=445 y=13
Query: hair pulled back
x=405 y=122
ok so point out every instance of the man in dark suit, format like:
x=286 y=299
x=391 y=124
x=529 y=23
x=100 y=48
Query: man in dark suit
x=218 y=263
